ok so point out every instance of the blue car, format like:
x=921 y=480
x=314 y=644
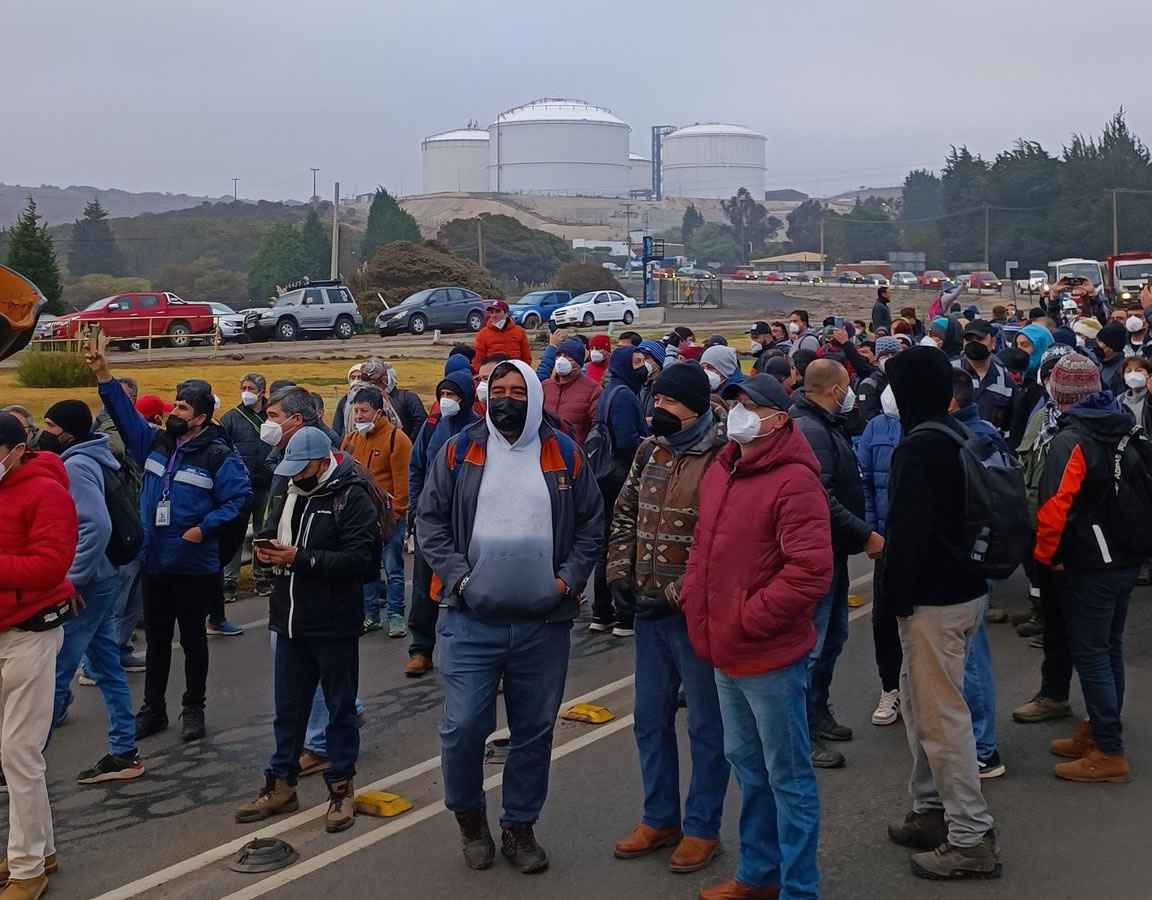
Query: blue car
x=537 y=307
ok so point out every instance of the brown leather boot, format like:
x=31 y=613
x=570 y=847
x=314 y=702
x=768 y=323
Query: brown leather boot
x=734 y=890
x=1095 y=766
x=1077 y=745
x=694 y=854
x=419 y=664
x=25 y=888
x=644 y=840
x=51 y=867
x=341 y=807
x=276 y=797
x=311 y=763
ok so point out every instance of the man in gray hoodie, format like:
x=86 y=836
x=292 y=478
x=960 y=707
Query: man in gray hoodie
x=511 y=522
x=88 y=461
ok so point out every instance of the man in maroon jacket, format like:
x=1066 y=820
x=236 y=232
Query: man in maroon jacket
x=569 y=393
x=761 y=560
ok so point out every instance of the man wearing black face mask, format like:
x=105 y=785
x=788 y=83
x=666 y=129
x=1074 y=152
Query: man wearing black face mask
x=511 y=523
x=194 y=485
x=994 y=387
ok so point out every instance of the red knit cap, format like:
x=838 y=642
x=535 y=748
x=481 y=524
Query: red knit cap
x=600 y=342
x=1074 y=377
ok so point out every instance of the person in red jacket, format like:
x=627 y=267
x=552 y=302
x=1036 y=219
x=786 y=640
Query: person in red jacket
x=501 y=335
x=38 y=528
x=761 y=559
x=569 y=393
x=599 y=349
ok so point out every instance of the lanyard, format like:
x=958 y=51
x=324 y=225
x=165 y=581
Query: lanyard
x=169 y=468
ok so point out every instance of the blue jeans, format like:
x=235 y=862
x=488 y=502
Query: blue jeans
x=664 y=661
x=533 y=659
x=129 y=607
x=93 y=632
x=766 y=741
x=980 y=689
x=831 y=623
x=316 y=738
x=392 y=561
x=301 y=664
x=1095 y=606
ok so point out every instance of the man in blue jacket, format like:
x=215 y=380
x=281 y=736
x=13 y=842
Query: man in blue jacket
x=88 y=461
x=194 y=485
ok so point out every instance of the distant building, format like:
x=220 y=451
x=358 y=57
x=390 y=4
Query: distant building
x=790 y=262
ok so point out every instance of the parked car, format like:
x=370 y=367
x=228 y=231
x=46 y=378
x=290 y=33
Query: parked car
x=985 y=281
x=965 y=280
x=320 y=308
x=773 y=276
x=877 y=279
x=850 y=277
x=230 y=322
x=536 y=307
x=443 y=308
x=814 y=277
x=932 y=278
x=691 y=272
x=43 y=330
x=1034 y=283
x=129 y=319
x=904 y=279
x=612 y=267
x=745 y=273
x=596 y=308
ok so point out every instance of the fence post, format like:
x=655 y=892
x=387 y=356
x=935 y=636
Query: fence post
x=149 y=339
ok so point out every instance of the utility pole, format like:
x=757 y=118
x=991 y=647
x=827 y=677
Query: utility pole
x=1115 y=228
x=234 y=195
x=480 y=241
x=314 y=197
x=628 y=226
x=822 y=218
x=335 y=268
x=987 y=234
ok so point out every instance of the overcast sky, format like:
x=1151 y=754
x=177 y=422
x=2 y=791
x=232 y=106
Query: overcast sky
x=147 y=95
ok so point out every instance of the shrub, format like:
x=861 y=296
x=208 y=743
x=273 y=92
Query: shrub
x=54 y=369
x=579 y=278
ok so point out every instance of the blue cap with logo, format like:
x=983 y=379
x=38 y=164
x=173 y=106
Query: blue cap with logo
x=306 y=445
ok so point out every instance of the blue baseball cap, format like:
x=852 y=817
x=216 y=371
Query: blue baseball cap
x=306 y=445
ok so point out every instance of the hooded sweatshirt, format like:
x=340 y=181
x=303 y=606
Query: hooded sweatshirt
x=619 y=406
x=1041 y=339
x=85 y=463
x=437 y=430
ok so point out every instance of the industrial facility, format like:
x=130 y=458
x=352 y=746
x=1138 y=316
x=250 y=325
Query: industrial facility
x=565 y=147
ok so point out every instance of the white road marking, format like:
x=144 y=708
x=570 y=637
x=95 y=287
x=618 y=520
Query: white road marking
x=363 y=841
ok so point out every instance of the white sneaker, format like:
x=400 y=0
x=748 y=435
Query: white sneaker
x=622 y=632
x=888 y=709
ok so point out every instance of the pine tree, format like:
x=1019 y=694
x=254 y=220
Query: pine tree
x=317 y=246
x=387 y=222
x=32 y=254
x=94 y=250
x=281 y=259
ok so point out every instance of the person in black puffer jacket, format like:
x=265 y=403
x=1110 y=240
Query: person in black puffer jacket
x=242 y=424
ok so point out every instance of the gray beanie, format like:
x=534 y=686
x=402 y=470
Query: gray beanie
x=722 y=359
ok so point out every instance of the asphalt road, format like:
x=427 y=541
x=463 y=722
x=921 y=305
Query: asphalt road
x=169 y=833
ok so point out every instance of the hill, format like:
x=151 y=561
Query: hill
x=59 y=205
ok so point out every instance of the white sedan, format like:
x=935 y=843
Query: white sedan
x=596 y=308
x=231 y=322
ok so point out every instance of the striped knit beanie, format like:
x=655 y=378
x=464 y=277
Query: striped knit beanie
x=1074 y=377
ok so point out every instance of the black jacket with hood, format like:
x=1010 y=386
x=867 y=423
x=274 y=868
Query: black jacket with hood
x=242 y=425
x=924 y=554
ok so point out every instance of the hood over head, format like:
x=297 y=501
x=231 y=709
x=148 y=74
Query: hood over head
x=457 y=362
x=94 y=447
x=921 y=382
x=461 y=382
x=1041 y=339
x=620 y=368
x=531 y=432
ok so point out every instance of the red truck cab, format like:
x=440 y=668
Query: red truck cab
x=127 y=319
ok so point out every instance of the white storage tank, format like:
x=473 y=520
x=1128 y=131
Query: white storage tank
x=641 y=167
x=455 y=162
x=557 y=146
x=713 y=161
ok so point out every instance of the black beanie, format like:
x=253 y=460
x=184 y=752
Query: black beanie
x=73 y=416
x=1113 y=335
x=11 y=431
x=686 y=383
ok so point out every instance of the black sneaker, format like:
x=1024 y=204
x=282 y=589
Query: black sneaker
x=193 y=727
x=149 y=721
x=950 y=863
x=520 y=847
x=113 y=768
x=479 y=848
x=824 y=757
x=992 y=767
x=920 y=831
x=263 y=590
x=1030 y=628
x=828 y=728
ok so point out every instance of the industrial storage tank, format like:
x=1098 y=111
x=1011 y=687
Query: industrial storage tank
x=456 y=161
x=641 y=167
x=713 y=161
x=556 y=146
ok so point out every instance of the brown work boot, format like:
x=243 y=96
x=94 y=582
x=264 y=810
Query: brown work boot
x=25 y=888
x=1076 y=746
x=920 y=830
x=1095 y=766
x=419 y=664
x=341 y=807
x=694 y=854
x=50 y=868
x=311 y=763
x=644 y=840
x=276 y=797
x=735 y=890
x=1040 y=708
x=995 y=615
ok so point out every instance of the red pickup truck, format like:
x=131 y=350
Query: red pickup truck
x=128 y=319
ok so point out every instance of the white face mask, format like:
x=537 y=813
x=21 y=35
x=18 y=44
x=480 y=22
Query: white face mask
x=743 y=424
x=482 y=392
x=563 y=366
x=754 y=346
x=714 y=379
x=500 y=323
x=849 y=401
x=1136 y=380
x=449 y=407
x=4 y=461
x=793 y=327
x=216 y=402
x=248 y=398
x=881 y=363
x=271 y=433
x=927 y=341
x=888 y=403
x=1134 y=324
x=364 y=427
x=597 y=356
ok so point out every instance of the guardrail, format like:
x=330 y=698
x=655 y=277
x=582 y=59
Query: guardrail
x=87 y=328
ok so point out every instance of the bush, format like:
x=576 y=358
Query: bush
x=54 y=369
x=579 y=278
x=82 y=291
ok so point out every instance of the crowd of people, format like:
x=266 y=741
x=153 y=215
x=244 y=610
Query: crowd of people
x=710 y=513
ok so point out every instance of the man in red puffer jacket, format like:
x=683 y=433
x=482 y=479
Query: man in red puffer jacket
x=761 y=559
x=37 y=541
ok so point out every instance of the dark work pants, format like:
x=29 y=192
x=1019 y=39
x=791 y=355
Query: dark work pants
x=169 y=599
x=425 y=611
x=301 y=664
x=886 y=636
x=216 y=600
x=1056 y=669
x=602 y=606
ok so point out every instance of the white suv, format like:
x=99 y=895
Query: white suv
x=596 y=308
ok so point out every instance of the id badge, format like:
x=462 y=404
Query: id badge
x=163 y=513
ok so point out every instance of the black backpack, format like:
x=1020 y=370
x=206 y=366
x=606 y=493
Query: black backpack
x=1130 y=508
x=124 y=511
x=599 y=445
x=997 y=532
